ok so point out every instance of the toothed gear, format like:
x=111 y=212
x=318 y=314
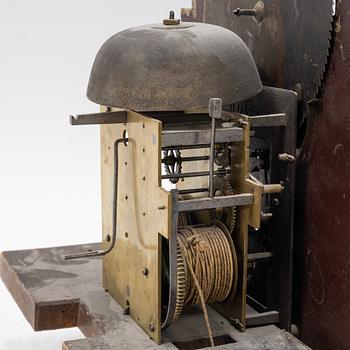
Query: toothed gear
x=180 y=285
x=292 y=53
x=222 y=156
x=222 y=187
x=172 y=163
x=184 y=219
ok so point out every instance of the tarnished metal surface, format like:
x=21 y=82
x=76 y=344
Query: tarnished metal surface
x=323 y=268
x=271 y=284
x=177 y=67
x=289 y=45
x=216 y=202
x=181 y=135
x=53 y=293
x=100 y=118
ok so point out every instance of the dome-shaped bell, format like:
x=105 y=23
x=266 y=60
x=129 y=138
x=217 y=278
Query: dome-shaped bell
x=174 y=67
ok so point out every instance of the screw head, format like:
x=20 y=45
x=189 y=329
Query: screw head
x=276 y=202
x=145 y=271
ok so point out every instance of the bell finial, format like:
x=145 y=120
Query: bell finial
x=171 y=20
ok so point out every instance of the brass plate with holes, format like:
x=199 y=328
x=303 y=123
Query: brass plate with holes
x=132 y=271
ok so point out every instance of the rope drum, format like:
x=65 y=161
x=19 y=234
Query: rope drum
x=207 y=265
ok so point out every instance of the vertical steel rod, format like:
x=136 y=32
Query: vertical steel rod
x=114 y=214
x=215 y=111
x=212 y=149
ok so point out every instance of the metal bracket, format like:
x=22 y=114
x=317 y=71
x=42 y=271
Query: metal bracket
x=215 y=202
x=263 y=318
x=268 y=120
x=116 y=117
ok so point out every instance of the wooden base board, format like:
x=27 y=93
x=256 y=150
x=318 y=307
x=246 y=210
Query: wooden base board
x=53 y=293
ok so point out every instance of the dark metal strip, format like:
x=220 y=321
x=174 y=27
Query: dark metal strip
x=216 y=202
x=172 y=261
x=255 y=304
x=268 y=317
x=269 y=120
x=180 y=147
x=194 y=174
x=187 y=137
x=259 y=256
x=117 y=117
x=193 y=190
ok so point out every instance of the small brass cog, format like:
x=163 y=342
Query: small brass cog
x=222 y=155
x=172 y=164
x=181 y=286
x=228 y=216
x=184 y=219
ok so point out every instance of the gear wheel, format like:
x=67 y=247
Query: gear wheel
x=172 y=163
x=222 y=187
x=222 y=156
x=184 y=219
x=296 y=58
x=181 y=289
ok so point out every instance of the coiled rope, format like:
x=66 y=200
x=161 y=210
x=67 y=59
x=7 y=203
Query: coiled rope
x=210 y=266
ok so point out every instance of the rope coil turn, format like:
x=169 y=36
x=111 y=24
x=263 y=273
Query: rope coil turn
x=207 y=267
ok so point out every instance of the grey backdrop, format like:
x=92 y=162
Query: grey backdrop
x=49 y=171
